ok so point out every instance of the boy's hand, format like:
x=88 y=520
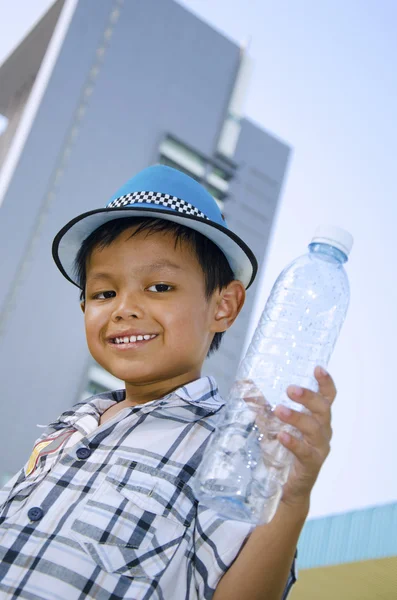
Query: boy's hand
x=311 y=451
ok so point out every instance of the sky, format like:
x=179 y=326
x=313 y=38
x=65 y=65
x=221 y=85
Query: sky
x=324 y=81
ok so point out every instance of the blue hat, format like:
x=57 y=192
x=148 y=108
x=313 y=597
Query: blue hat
x=163 y=193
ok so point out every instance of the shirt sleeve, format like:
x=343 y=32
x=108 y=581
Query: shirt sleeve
x=217 y=543
x=292 y=577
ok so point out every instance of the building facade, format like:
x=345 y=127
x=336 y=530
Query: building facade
x=96 y=92
x=350 y=556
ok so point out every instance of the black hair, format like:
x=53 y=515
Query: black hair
x=216 y=269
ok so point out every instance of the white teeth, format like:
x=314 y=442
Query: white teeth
x=134 y=338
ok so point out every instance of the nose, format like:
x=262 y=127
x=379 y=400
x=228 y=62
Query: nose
x=127 y=307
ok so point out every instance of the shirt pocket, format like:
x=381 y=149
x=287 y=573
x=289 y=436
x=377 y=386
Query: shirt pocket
x=135 y=521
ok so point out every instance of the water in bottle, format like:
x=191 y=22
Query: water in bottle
x=244 y=466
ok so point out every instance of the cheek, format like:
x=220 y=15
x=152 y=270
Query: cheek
x=94 y=320
x=186 y=326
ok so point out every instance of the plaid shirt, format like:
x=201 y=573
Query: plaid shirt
x=107 y=512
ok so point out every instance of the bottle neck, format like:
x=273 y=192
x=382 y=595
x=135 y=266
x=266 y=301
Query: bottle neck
x=328 y=252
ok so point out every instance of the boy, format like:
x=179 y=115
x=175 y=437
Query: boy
x=104 y=507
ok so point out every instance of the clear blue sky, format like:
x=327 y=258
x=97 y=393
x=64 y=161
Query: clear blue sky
x=325 y=81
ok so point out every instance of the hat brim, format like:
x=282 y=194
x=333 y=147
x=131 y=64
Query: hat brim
x=69 y=239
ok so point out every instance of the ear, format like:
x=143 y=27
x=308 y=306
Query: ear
x=82 y=305
x=229 y=303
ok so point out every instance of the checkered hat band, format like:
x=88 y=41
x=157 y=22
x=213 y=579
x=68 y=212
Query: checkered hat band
x=160 y=200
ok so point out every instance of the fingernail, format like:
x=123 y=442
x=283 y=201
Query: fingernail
x=283 y=410
x=296 y=390
x=322 y=371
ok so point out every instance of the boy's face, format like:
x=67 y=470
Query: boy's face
x=146 y=285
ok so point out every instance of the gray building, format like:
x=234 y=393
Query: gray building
x=94 y=93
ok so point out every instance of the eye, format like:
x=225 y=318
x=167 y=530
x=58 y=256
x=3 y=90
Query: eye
x=160 y=287
x=104 y=295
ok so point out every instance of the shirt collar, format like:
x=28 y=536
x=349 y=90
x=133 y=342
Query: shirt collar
x=203 y=391
x=202 y=394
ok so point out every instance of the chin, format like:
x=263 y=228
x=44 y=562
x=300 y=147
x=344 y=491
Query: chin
x=133 y=375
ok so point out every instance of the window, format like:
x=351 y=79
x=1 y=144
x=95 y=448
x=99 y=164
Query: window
x=182 y=156
x=174 y=153
x=217 y=182
x=222 y=173
x=3 y=123
x=170 y=163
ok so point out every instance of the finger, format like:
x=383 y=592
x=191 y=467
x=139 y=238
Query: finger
x=315 y=433
x=303 y=451
x=314 y=401
x=326 y=384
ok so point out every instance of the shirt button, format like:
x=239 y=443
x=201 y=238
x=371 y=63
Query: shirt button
x=35 y=513
x=83 y=453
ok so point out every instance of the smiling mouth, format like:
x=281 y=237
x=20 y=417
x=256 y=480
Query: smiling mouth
x=132 y=340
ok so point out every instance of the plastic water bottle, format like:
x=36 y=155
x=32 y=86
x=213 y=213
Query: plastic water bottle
x=244 y=467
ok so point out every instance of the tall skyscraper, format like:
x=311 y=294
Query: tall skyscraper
x=94 y=93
